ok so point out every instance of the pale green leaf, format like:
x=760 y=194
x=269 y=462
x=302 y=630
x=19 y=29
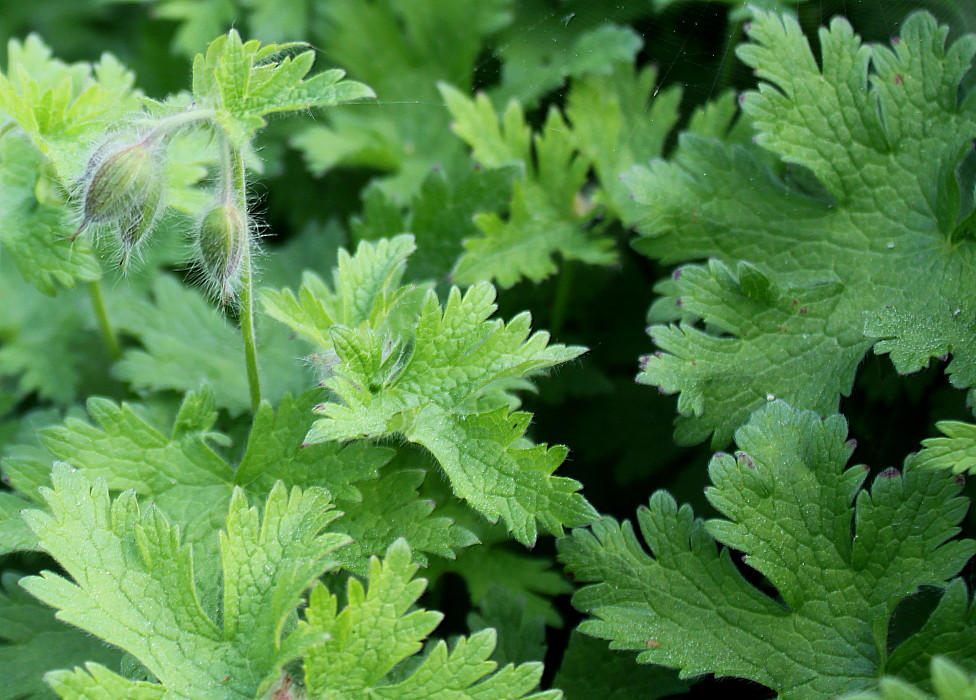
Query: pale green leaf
x=191 y=484
x=956 y=451
x=245 y=81
x=365 y=288
x=378 y=629
x=34 y=642
x=96 y=682
x=950 y=682
x=61 y=107
x=133 y=582
x=421 y=390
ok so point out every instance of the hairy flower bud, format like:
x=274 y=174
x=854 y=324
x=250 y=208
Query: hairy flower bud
x=123 y=189
x=138 y=224
x=116 y=179
x=222 y=238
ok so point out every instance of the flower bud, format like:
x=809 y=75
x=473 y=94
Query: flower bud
x=123 y=189
x=117 y=179
x=222 y=237
x=137 y=224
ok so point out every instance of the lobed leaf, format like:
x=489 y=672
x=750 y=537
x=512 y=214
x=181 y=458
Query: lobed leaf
x=865 y=209
x=455 y=354
x=36 y=642
x=134 y=584
x=245 y=81
x=956 y=451
x=949 y=681
x=543 y=219
x=438 y=377
x=377 y=630
x=838 y=571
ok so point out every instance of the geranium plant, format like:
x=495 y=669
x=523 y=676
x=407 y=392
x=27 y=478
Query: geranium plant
x=283 y=402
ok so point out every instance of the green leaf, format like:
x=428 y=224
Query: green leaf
x=576 y=44
x=279 y=20
x=421 y=391
x=741 y=8
x=543 y=218
x=521 y=635
x=531 y=579
x=133 y=583
x=59 y=106
x=949 y=681
x=377 y=630
x=523 y=246
x=867 y=210
x=391 y=507
x=776 y=336
x=26 y=464
x=182 y=475
x=588 y=664
x=949 y=631
x=839 y=571
x=378 y=508
x=275 y=452
x=430 y=377
x=199 y=21
x=440 y=216
x=186 y=343
x=96 y=682
x=36 y=234
x=244 y=82
x=35 y=642
x=620 y=120
x=48 y=346
x=14 y=533
x=408 y=132
x=956 y=451
x=365 y=289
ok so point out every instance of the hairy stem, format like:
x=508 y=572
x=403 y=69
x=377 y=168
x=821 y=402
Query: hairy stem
x=167 y=125
x=237 y=180
x=104 y=325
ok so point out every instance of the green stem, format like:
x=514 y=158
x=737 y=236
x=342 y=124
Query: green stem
x=168 y=124
x=104 y=325
x=239 y=185
x=247 y=330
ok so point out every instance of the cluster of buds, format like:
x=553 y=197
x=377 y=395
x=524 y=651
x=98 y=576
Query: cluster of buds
x=123 y=190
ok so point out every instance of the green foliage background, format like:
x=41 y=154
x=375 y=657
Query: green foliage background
x=497 y=138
